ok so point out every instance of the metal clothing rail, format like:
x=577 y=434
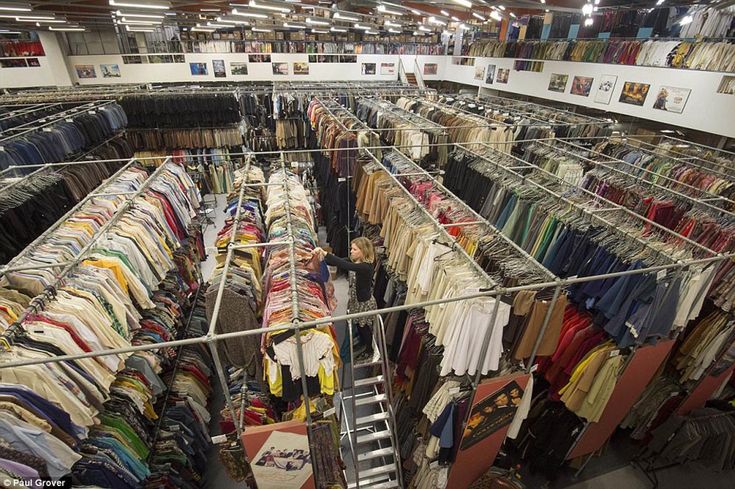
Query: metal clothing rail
x=699 y=145
x=584 y=119
x=703 y=202
x=9 y=267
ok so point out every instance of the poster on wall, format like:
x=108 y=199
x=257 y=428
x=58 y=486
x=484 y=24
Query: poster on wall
x=479 y=72
x=259 y=58
x=110 y=71
x=301 y=68
x=558 y=83
x=431 y=68
x=490 y=74
x=280 y=68
x=634 y=93
x=671 y=99
x=179 y=58
x=279 y=455
x=581 y=85
x=368 y=68
x=727 y=85
x=218 y=66
x=160 y=58
x=85 y=71
x=15 y=63
x=605 y=89
x=198 y=69
x=491 y=414
x=503 y=74
x=388 y=68
x=238 y=68
x=134 y=60
x=33 y=62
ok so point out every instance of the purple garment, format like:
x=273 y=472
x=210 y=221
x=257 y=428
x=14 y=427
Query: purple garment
x=18 y=469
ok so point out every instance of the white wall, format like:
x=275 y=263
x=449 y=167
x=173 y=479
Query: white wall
x=706 y=110
x=180 y=72
x=52 y=72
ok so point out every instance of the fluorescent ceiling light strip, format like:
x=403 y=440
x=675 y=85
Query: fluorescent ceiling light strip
x=16 y=8
x=464 y=3
x=391 y=24
x=456 y=19
x=209 y=10
x=249 y=14
x=149 y=5
x=348 y=18
x=232 y=21
x=319 y=31
x=444 y=13
x=374 y=33
x=38 y=22
x=424 y=28
x=193 y=29
x=67 y=29
x=294 y=26
x=394 y=31
x=142 y=29
x=337 y=29
x=143 y=22
x=145 y=16
x=309 y=20
x=501 y=7
x=363 y=27
x=29 y=17
x=434 y=20
x=260 y=29
x=264 y=6
x=478 y=16
x=383 y=9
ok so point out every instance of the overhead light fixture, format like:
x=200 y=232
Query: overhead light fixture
x=385 y=10
x=372 y=33
x=463 y=26
x=389 y=23
x=587 y=9
x=8 y=33
x=139 y=21
x=149 y=5
x=659 y=2
x=546 y=10
x=363 y=27
x=395 y=31
x=543 y=1
x=144 y=16
x=588 y=21
x=220 y=26
x=293 y=26
x=193 y=29
x=39 y=23
x=347 y=18
x=444 y=13
x=67 y=29
x=32 y=18
x=143 y=29
x=337 y=29
x=415 y=12
x=424 y=28
x=416 y=33
x=260 y=29
x=496 y=15
x=456 y=19
x=319 y=31
x=464 y=3
x=478 y=16
x=501 y=7
x=687 y=19
x=248 y=14
x=309 y=20
x=11 y=7
x=434 y=20
x=232 y=21
x=209 y=10
x=265 y=6
x=512 y=15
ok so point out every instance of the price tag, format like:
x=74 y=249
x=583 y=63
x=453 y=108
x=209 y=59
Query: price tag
x=219 y=439
x=92 y=112
x=614 y=353
x=661 y=274
x=69 y=120
x=330 y=412
x=46 y=129
x=2 y=148
x=294 y=164
x=174 y=427
x=341 y=179
x=454 y=390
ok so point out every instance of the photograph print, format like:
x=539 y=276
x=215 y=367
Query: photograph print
x=491 y=414
x=558 y=83
x=634 y=93
x=503 y=74
x=671 y=99
x=605 y=89
x=581 y=85
x=490 y=74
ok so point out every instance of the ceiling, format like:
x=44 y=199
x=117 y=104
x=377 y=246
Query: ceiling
x=210 y=15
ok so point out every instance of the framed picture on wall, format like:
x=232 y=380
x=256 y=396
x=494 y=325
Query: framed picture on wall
x=179 y=58
x=503 y=74
x=15 y=63
x=727 y=85
x=33 y=62
x=134 y=60
x=479 y=72
x=160 y=58
x=634 y=93
x=368 y=68
x=389 y=68
x=431 y=68
x=582 y=85
x=491 y=414
x=280 y=68
x=198 y=69
x=671 y=99
x=605 y=89
x=238 y=68
x=110 y=71
x=259 y=58
x=490 y=74
x=301 y=68
x=85 y=71
x=218 y=66
x=558 y=83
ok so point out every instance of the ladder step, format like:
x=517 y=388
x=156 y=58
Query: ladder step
x=384 y=469
x=371 y=400
x=381 y=485
x=383 y=452
x=371 y=483
x=368 y=381
x=370 y=363
x=380 y=435
x=373 y=418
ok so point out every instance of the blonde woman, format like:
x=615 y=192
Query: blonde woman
x=361 y=268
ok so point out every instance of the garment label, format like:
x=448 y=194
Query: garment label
x=661 y=274
x=632 y=329
x=330 y=412
x=69 y=120
x=454 y=390
x=92 y=112
x=294 y=164
x=219 y=439
x=2 y=148
x=614 y=353
x=341 y=179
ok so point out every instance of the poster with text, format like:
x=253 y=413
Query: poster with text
x=280 y=68
x=301 y=68
x=503 y=74
x=491 y=414
x=388 y=68
x=490 y=74
x=634 y=93
x=85 y=71
x=671 y=99
x=284 y=460
x=368 y=68
x=479 y=72
x=17 y=63
x=605 y=89
x=582 y=85
x=110 y=71
x=431 y=68
x=198 y=69
x=218 y=66
x=259 y=58
x=33 y=62
x=727 y=85
x=558 y=83
x=238 y=68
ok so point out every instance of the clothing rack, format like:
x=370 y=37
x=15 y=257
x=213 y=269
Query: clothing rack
x=24 y=129
x=504 y=102
x=703 y=147
x=696 y=202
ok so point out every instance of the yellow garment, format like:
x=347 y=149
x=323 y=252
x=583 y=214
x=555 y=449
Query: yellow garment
x=114 y=266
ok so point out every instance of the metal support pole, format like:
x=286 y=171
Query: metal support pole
x=486 y=339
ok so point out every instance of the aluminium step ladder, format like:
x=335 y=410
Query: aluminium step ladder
x=368 y=421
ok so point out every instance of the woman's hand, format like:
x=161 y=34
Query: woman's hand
x=320 y=252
